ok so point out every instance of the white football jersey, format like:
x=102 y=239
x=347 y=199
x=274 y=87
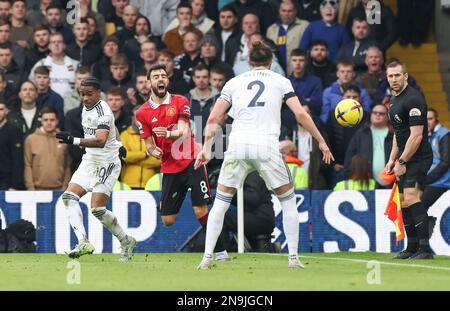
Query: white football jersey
x=100 y=116
x=256 y=98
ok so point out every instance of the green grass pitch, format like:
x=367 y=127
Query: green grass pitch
x=177 y=271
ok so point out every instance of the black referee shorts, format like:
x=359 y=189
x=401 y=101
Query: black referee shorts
x=416 y=173
x=175 y=185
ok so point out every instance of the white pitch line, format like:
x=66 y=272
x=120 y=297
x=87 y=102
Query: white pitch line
x=366 y=261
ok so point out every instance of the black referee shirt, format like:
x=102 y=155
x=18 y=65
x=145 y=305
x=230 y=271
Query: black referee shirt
x=405 y=110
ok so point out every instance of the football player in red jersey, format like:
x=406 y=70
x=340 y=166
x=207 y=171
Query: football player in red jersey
x=164 y=124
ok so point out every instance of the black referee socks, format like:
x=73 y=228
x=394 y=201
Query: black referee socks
x=420 y=217
x=411 y=232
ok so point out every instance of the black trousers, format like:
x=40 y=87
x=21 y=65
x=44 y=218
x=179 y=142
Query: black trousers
x=431 y=195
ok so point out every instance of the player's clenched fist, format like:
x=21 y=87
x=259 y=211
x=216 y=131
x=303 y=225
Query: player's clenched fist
x=155 y=151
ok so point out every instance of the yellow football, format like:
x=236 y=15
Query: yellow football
x=349 y=112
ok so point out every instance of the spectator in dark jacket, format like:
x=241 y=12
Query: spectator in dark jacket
x=110 y=48
x=208 y=53
x=259 y=8
x=18 y=52
x=11 y=155
x=130 y=14
x=339 y=137
x=73 y=125
x=46 y=96
x=14 y=74
x=308 y=88
x=355 y=51
x=177 y=83
x=116 y=101
x=319 y=65
x=82 y=50
x=228 y=33
x=142 y=33
x=40 y=48
x=383 y=30
x=120 y=74
x=202 y=98
x=309 y=10
x=26 y=116
x=6 y=93
x=55 y=23
x=374 y=142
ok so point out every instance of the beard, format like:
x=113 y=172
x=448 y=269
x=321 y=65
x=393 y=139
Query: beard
x=158 y=92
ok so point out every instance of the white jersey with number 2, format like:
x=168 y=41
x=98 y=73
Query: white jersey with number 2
x=256 y=98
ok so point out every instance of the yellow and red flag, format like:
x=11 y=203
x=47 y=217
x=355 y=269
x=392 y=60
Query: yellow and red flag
x=394 y=213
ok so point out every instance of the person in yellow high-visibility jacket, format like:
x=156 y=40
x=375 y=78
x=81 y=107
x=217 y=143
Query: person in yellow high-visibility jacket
x=359 y=176
x=298 y=173
x=139 y=167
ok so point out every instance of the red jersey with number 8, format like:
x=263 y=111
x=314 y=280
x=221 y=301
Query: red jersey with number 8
x=177 y=154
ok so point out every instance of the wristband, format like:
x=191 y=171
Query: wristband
x=168 y=134
x=76 y=141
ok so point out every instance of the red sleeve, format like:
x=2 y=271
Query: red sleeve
x=184 y=108
x=144 y=129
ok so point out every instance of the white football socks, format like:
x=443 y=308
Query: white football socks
x=215 y=221
x=75 y=215
x=109 y=220
x=290 y=221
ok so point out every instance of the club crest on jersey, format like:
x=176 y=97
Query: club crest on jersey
x=415 y=112
x=171 y=111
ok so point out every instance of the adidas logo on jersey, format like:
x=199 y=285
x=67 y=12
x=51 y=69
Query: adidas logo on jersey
x=154 y=120
x=206 y=196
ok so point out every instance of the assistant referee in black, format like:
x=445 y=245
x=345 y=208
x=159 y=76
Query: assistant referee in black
x=410 y=159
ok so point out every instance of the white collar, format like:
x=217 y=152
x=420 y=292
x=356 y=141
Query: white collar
x=156 y=105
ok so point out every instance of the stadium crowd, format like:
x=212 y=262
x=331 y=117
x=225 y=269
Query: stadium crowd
x=328 y=50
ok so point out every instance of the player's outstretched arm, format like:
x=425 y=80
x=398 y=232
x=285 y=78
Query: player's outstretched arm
x=101 y=136
x=305 y=120
x=212 y=126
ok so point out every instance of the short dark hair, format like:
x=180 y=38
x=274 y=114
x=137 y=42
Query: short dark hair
x=115 y=91
x=298 y=52
x=42 y=70
x=319 y=42
x=154 y=68
x=167 y=53
x=218 y=70
x=141 y=74
x=4 y=21
x=91 y=82
x=53 y=6
x=40 y=27
x=228 y=8
x=200 y=67
x=353 y=88
x=48 y=109
x=359 y=19
x=6 y=45
x=184 y=4
x=395 y=62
